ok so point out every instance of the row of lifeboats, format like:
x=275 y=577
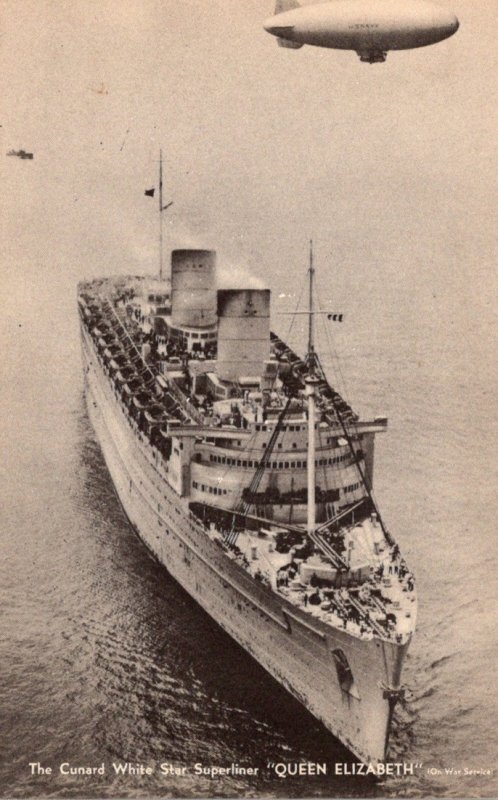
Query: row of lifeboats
x=145 y=395
x=331 y=400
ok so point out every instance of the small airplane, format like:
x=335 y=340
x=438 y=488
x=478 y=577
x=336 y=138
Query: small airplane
x=370 y=27
x=20 y=154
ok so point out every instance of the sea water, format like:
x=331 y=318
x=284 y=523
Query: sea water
x=120 y=685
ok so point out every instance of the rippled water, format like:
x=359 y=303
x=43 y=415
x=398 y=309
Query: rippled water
x=104 y=658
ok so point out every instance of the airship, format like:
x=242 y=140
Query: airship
x=370 y=27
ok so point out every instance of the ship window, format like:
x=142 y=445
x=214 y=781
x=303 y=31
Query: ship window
x=279 y=445
x=294 y=445
x=286 y=465
x=239 y=462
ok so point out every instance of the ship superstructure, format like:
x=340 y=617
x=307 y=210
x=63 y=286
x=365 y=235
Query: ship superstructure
x=250 y=478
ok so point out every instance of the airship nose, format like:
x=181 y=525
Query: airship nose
x=440 y=24
x=276 y=26
x=448 y=22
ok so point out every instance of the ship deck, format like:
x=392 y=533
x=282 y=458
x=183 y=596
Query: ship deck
x=348 y=574
x=381 y=602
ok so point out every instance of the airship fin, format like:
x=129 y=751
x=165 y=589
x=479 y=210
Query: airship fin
x=287 y=43
x=286 y=5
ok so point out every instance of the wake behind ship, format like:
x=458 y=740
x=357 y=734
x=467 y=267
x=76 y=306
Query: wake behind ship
x=250 y=479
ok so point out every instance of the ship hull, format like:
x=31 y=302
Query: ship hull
x=299 y=651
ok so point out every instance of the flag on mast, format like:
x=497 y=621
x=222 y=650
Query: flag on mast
x=149 y=192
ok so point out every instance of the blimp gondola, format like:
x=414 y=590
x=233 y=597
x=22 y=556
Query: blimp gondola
x=369 y=27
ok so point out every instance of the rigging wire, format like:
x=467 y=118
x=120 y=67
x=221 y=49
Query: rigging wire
x=333 y=352
x=364 y=477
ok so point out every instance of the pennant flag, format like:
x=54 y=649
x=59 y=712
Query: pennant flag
x=149 y=192
x=335 y=317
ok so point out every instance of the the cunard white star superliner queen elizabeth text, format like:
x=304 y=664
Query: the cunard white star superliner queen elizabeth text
x=250 y=479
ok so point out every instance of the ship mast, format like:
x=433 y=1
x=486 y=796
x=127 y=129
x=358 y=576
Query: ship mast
x=311 y=382
x=161 y=210
x=311 y=346
x=160 y=215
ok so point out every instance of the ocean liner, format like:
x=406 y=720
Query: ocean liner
x=249 y=478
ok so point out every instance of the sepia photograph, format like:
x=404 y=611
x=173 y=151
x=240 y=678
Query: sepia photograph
x=248 y=399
